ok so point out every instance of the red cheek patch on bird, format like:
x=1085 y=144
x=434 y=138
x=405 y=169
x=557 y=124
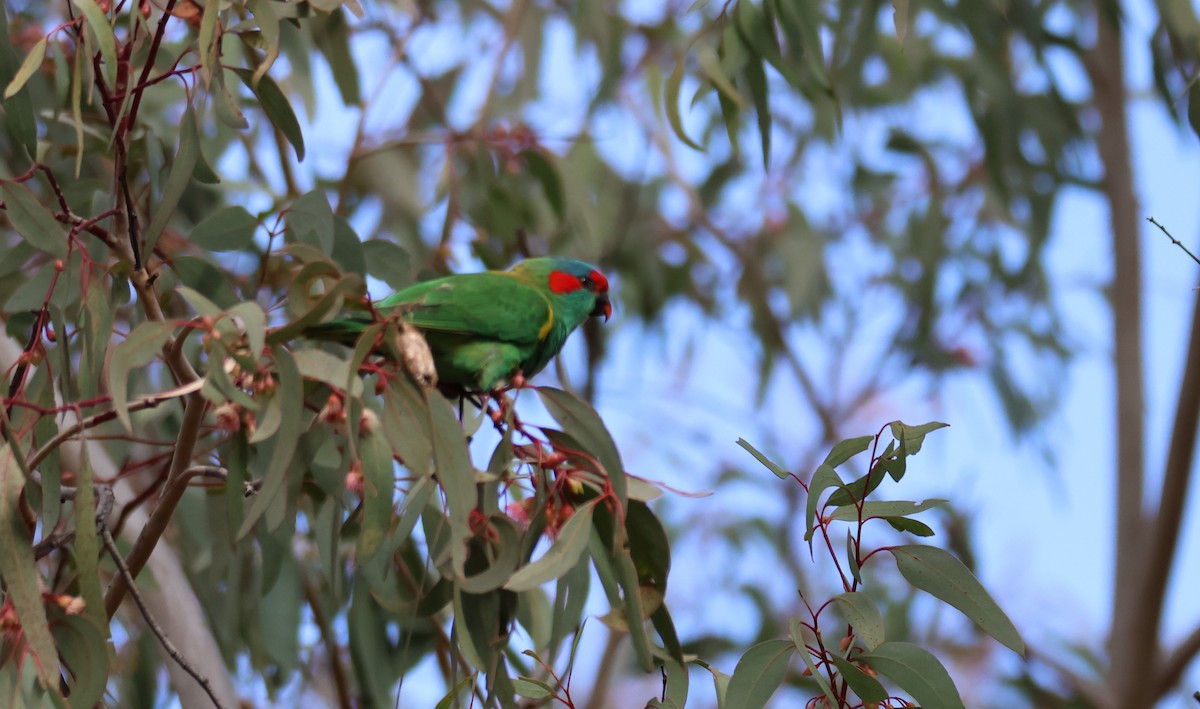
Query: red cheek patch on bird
x=600 y=281
x=561 y=283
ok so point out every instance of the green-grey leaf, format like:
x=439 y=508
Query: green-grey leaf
x=142 y=346
x=33 y=62
x=182 y=167
x=847 y=449
x=561 y=557
x=84 y=650
x=277 y=107
x=864 y=685
x=378 y=486
x=796 y=631
x=762 y=458
x=917 y=672
x=863 y=615
x=311 y=220
x=758 y=674
x=291 y=404
x=580 y=420
x=388 y=262
x=455 y=473
x=898 y=508
x=227 y=229
x=32 y=220
x=912 y=526
x=532 y=688
x=20 y=572
x=912 y=437
x=937 y=572
x=97 y=24
x=825 y=477
x=671 y=104
x=18 y=108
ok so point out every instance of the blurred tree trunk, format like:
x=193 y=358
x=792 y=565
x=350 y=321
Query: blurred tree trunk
x=1146 y=538
x=1128 y=628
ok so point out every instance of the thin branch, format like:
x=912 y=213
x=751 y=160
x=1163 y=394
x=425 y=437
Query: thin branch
x=123 y=569
x=1175 y=241
x=1164 y=534
x=1171 y=670
x=147 y=402
x=189 y=432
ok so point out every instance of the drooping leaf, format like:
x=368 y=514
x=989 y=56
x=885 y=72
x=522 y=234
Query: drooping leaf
x=277 y=107
x=455 y=473
x=542 y=167
x=581 y=421
x=900 y=19
x=84 y=651
x=671 y=104
x=98 y=27
x=291 y=394
x=847 y=449
x=912 y=437
x=20 y=573
x=532 y=688
x=862 y=613
x=311 y=220
x=388 y=262
x=937 y=572
x=710 y=64
x=32 y=62
x=142 y=346
x=865 y=686
x=796 y=630
x=18 y=108
x=182 y=168
x=917 y=672
x=898 y=508
x=87 y=551
x=912 y=526
x=825 y=478
x=758 y=674
x=492 y=561
x=376 y=457
x=333 y=39
x=227 y=229
x=779 y=471
x=561 y=557
x=32 y=220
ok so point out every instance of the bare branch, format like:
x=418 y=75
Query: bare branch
x=1175 y=241
x=111 y=546
x=189 y=432
x=145 y=402
x=1175 y=663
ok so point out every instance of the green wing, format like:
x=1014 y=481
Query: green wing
x=490 y=305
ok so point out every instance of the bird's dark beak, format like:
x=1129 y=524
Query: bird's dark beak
x=603 y=307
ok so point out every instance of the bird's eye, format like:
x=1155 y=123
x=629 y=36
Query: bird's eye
x=585 y=282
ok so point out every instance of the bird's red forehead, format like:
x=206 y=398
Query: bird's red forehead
x=600 y=281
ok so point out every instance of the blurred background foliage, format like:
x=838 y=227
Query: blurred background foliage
x=864 y=190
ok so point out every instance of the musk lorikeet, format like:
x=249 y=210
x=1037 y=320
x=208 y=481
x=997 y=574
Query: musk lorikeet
x=484 y=328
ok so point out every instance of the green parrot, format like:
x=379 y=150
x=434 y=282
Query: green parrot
x=485 y=328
